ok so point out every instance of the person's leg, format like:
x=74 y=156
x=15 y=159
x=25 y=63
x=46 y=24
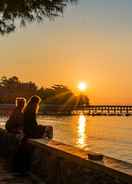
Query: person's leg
x=45 y=131
x=49 y=131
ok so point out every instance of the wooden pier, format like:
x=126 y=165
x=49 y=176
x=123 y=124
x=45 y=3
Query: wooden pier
x=93 y=110
x=111 y=110
x=104 y=110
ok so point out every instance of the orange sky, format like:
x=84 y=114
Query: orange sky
x=91 y=43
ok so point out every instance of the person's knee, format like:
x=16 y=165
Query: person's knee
x=49 y=132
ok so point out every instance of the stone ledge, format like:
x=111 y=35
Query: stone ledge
x=117 y=169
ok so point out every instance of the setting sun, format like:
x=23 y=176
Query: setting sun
x=82 y=86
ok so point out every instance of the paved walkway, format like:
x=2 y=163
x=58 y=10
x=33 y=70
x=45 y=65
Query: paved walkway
x=6 y=177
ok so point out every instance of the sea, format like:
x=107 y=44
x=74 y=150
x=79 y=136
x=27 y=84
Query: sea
x=109 y=135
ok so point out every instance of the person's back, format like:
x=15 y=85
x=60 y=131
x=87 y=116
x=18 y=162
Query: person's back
x=30 y=123
x=31 y=127
x=15 y=122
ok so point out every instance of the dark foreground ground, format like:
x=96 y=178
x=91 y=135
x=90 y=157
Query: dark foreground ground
x=6 y=177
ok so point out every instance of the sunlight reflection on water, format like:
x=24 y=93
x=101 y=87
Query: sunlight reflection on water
x=81 y=130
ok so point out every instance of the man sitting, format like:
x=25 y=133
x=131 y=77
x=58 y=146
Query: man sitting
x=15 y=122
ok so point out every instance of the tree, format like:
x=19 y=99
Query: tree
x=12 y=87
x=9 y=82
x=56 y=94
x=83 y=100
x=60 y=98
x=57 y=98
x=3 y=81
x=12 y=11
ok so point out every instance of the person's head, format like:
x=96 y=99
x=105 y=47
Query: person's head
x=20 y=103
x=33 y=104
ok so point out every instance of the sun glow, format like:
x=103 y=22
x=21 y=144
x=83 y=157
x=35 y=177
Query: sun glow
x=82 y=86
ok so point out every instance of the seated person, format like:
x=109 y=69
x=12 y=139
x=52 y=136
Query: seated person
x=15 y=122
x=31 y=127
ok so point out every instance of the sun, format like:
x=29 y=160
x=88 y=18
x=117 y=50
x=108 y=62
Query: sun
x=82 y=86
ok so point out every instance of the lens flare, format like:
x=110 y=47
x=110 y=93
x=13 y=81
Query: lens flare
x=82 y=86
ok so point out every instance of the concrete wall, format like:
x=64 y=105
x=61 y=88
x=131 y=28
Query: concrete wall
x=57 y=163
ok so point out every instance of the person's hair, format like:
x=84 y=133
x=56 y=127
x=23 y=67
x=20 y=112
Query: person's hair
x=33 y=104
x=20 y=102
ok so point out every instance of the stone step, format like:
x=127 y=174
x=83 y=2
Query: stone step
x=7 y=177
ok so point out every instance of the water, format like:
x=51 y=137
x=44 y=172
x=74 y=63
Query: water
x=111 y=136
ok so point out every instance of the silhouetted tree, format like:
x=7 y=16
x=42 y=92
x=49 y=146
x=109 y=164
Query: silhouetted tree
x=56 y=94
x=83 y=100
x=12 y=87
x=9 y=82
x=57 y=98
x=12 y=11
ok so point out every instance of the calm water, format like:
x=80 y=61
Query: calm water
x=111 y=136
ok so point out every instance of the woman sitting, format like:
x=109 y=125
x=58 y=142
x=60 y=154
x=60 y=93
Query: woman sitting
x=31 y=127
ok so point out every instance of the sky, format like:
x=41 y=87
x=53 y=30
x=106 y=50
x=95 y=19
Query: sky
x=91 y=42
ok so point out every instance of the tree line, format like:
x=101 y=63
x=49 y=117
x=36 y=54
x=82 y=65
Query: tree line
x=55 y=98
